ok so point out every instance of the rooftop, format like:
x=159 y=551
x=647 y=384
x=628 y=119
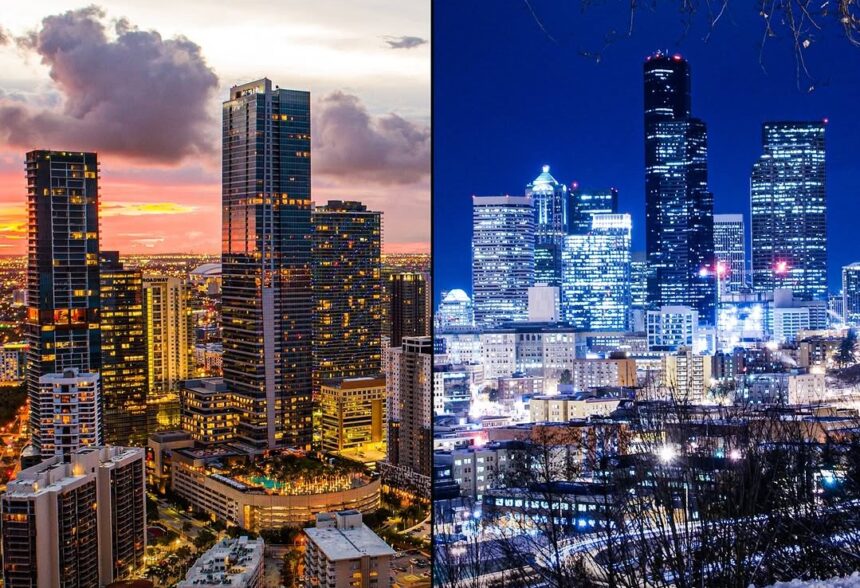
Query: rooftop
x=339 y=544
x=231 y=562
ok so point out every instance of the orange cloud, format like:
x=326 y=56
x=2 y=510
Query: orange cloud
x=109 y=209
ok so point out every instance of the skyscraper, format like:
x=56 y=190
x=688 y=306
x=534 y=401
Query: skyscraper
x=595 y=292
x=788 y=208
x=62 y=323
x=124 y=364
x=678 y=205
x=81 y=523
x=455 y=311
x=407 y=312
x=503 y=258
x=169 y=333
x=730 y=252
x=583 y=204
x=267 y=299
x=851 y=294
x=347 y=286
x=550 y=210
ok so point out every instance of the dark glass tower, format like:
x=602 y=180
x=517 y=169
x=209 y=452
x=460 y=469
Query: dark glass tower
x=788 y=209
x=347 y=283
x=62 y=324
x=408 y=306
x=583 y=205
x=124 y=362
x=267 y=302
x=550 y=209
x=678 y=206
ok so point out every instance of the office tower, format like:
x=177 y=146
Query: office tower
x=407 y=311
x=730 y=252
x=81 y=523
x=582 y=205
x=788 y=208
x=124 y=361
x=71 y=409
x=206 y=410
x=267 y=299
x=851 y=294
x=455 y=311
x=410 y=386
x=169 y=333
x=230 y=562
x=343 y=552
x=347 y=288
x=678 y=206
x=503 y=258
x=62 y=324
x=353 y=416
x=596 y=268
x=638 y=291
x=550 y=225
x=672 y=327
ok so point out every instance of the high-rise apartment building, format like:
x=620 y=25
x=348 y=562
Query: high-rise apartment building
x=788 y=209
x=595 y=292
x=124 y=362
x=267 y=299
x=503 y=258
x=169 y=333
x=851 y=294
x=347 y=287
x=62 y=322
x=583 y=204
x=410 y=387
x=408 y=294
x=678 y=205
x=730 y=252
x=550 y=209
x=81 y=523
x=71 y=408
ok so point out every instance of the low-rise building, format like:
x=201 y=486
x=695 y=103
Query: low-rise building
x=230 y=562
x=561 y=408
x=595 y=373
x=343 y=552
x=206 y=411
x=354 y=419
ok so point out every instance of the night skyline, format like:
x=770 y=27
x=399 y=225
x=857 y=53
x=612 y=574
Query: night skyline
x=591 y=132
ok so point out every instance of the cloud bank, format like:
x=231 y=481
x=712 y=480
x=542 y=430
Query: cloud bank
x=130 y=93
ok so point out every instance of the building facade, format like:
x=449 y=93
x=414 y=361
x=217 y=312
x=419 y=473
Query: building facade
x=503 y=258
x=62 y=322
x=230 y=562
x=550 y=225
x=353 y=415
x=584 y=204
x=71 y=408
x=730 y=253
x=407 y=311
x=455 y=311
x=788 y=209
x=169 y=333
x=851 y=294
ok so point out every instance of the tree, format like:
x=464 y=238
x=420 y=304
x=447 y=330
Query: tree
x=565 y=377
x=847 y=348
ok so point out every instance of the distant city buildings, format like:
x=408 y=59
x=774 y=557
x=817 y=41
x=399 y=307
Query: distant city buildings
x=503 y=258
x=730 y=252
x=584 y=204
x=267 y=299
x=80 y=523
x=678 y=204
x=788 y=206
x=671 y=328
x=550 y=201
x=595 y=293
x=62 y=324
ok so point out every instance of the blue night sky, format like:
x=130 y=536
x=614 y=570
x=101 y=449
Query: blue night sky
x=507 y=99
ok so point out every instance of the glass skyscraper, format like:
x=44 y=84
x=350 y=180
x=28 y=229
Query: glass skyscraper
x=788 y=208
x=730 y=252
x=595 y=292
x=851 y=294
x=347 y=284
x=502 y=258
x=407 y=306
x=583 y=204
x=678 y=206
x=62 y=323
x=267 y=301
x=550 y=210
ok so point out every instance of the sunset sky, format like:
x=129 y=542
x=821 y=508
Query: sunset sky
x=142 y=83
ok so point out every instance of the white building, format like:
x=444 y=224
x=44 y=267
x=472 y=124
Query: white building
x=790 y=316
x=343 y=552
x=72 y=399
x=594 y=373
x=671 y=327
x=231 y=562
x=562 y=408
x=80 y=523
x=544 y=304
x=806 y=388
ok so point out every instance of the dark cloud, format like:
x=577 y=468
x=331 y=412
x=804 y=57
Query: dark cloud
x=404 y=42
x=131 y=93
x=349 y=142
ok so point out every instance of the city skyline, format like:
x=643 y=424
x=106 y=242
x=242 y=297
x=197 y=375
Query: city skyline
x=368 y=78
x=591 y=132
